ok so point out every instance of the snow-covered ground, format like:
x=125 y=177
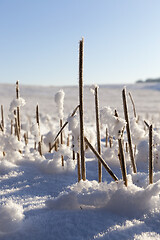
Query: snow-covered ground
x=40 y=199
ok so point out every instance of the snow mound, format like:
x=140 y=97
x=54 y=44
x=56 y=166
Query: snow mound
x=124 y=201
x=147 y=236
x=11 y=217
x=6 y=166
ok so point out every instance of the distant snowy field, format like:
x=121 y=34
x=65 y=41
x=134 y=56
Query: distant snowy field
x=40 y=199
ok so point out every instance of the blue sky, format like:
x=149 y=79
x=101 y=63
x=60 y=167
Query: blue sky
x=39 y=41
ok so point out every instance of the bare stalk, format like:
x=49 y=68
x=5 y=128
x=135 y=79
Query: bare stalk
x=49 y=147
x=61 y=135
x=134 y=108
x=128 y=131
x=38 y=122
x=110 y=141
x=56 y=146
x=17 y=129
x=37 y=115
x=122 y=161
x=73 y=147
x=98 y=134
x=78 y=167
x=2 y=117
x=25 y=139
x=105 y=165
x=106 y=137
x=150 y=156
x=68 y=141
x=18 y=109
x=61 y=141
x=64 y=125
x=83 y=167
x=11 y=127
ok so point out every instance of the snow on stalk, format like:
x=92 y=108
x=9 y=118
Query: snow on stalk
x=15 y=111
x=94 y=90
x=115 y=124
x=59 y=99
x=73 y=126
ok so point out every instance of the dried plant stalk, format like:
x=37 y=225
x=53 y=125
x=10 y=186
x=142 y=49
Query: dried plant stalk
x=61 y=141
x=128 y=131
x=2 y=117
x=78 y=167
x=134 y=108
x=73 y=147
x=150 y=156
x=122 y=162
x=98 y=134
x=68 y=141
x=61 y=135
x=38 y=122
x=11 y=127
x=17 y=129
x=110 y=141
x=64 y=125
x=25 y=139
x=37 y=115
x=126 y=147
x=18 y=109
x=106 y=137
x=1 y=128
x=83 y=167
x=105 y=165
x=62 y=158
x=56 y=146
x=49 y=147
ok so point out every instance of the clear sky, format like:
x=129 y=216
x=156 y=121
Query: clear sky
x=39 y=41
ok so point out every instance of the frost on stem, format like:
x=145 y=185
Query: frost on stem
x=74 y=127
x=35 y=132
x=59 y=100
x=20 y=102
x=93 y=87
x=115 y=125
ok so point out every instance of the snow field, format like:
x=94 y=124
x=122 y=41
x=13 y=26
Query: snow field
x=40 y=199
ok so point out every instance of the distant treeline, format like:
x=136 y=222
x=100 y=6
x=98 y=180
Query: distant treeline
x=149 y=80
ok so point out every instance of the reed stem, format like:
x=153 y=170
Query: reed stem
x=98 y=134
x=128 y=131
x=83 y=168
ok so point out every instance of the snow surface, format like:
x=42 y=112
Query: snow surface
x=40 y=199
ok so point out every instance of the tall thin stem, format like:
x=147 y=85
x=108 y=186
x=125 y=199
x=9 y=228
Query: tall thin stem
x=128 y=131
x=98 y=133
x=2 y=117
x=122 y=162
x=18 y=109
x=150 y=156
x=83 y=168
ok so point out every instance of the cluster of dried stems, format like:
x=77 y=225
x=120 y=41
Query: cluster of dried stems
x=81 y=166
